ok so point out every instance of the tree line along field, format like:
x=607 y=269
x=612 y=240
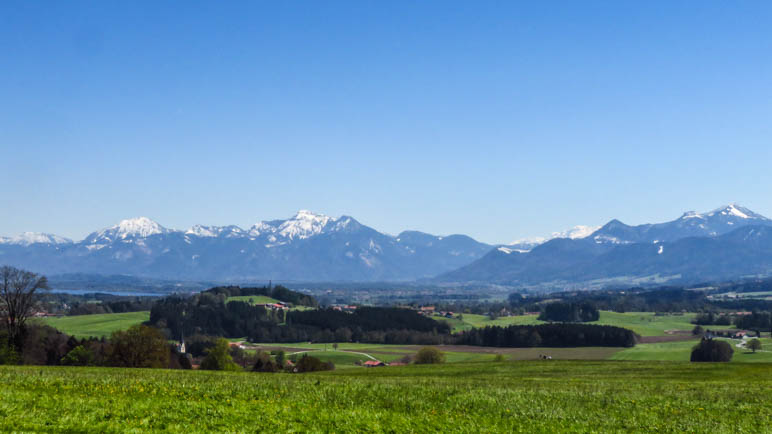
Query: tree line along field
x=547 y=396
x=643 y=323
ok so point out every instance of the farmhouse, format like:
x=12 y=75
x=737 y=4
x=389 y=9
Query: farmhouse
x=426 y=310
x=274 y=306
x=345 y=308
x=373 y=363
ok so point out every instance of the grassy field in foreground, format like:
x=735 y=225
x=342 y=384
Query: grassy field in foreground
x=643 y=323
x=465 y=397
x=83 y=326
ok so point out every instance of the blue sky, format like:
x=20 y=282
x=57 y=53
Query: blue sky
x=500 y=120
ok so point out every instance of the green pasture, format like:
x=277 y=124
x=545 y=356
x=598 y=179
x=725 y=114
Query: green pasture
x=253 y=299
x=83 y=326
x=453 y=353
x=541 y=397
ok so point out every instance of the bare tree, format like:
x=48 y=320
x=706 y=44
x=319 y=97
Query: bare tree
x=18 y=300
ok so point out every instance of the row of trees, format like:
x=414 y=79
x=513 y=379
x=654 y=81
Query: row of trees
x=137 y=304
x=367 y=319
x=549 y=335
x=302 y=333
x=754 y=321
x=712 y=318
x=665 y=299
x=570 y=312
x=138 y=347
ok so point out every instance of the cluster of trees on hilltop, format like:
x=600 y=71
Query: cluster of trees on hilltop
x=549 y=335
x=368 y=319
x=570 y=312
x=277 y=292
x=383 y=325
x=208 y=313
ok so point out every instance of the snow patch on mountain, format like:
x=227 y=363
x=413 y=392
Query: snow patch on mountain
x=731 y=210
x=215 y=231
x=203 y=231
x=29 y=238
x=575 y=233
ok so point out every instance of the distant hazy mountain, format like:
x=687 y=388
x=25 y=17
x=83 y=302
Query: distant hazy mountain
x=717 y=222
x=574 y=233
x=729 y=242
x=306 y=247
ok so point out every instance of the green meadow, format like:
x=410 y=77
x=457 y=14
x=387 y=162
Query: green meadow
x=83 y=326
x=253 y=299
x=535 y=396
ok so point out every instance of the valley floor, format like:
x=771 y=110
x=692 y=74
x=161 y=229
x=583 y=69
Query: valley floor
x=534 y=396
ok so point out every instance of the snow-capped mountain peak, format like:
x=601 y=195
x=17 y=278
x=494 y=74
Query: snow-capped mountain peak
x=732 y=210
x=138 y=227
x=304 y=224
x=735 y=210
x=28 y=238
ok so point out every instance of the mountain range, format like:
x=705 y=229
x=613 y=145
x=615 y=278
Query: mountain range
x=726 y=243
x=305 y=247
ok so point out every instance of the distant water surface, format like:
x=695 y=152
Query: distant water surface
x=120 y=293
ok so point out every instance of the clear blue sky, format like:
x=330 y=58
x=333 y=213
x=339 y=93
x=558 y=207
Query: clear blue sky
x=500 y=120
